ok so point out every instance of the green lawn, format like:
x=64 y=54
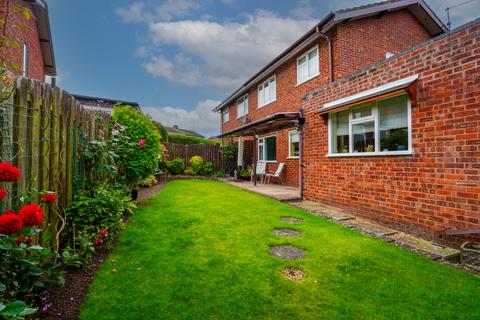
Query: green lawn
x=199 y=250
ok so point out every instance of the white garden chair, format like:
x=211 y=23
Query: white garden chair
x=277 y=174
x=261 y=171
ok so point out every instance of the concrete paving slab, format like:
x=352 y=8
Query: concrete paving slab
x=424 y=246
x=370 y=228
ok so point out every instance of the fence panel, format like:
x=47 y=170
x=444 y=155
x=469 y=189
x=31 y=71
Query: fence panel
x=42 y=132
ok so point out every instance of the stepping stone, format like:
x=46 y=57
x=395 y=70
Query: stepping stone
x=286 y=232
x=291 y=219
x=293 y=274
x=287 y=252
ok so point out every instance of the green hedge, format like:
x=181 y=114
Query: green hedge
x=181 y=139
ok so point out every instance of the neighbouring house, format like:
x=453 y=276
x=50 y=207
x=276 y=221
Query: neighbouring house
x=377 y=110
x=102 y=104
x=183 y=132
x=34 y=52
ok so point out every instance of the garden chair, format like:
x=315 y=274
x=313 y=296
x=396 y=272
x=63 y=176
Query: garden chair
x=261 y=171
x=277 y=174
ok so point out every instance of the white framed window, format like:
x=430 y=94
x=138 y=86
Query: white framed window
x=226 y=115
x=267 y=92
x=25 y=59
x=267 y=149
x=293 y=144
x=242 y=106
x=308 y=66
x=381 y=127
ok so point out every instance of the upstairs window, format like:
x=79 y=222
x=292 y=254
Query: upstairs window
x=267 y=92
x=293 y=144
x=242 y=106
x=267 y=149
x=226 y=115
x=376 y=128
x=25 y=60
x=308 y=66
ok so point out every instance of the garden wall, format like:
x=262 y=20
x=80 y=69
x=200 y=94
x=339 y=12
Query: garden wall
x=43 y=131
x=438 y=186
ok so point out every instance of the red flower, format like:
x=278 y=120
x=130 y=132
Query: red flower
x=10 y=224
x=104 y=232
x=49 y=197
x=99 y=242
x=8 y=172
x=9 y=212
x=121 y=171
x=141 y=143
x=3 y=194
x=27 y=240
x=31 y=214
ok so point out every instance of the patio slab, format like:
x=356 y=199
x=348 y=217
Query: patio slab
x=423 y=246
x=322 y=210
x=275 y=191
x=365 y=226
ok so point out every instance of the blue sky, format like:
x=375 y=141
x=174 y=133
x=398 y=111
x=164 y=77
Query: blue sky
x=180 y=58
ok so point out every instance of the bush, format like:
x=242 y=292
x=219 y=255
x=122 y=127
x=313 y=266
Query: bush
x=196 y=163
x=102 y=208
x=175 y=166
x=136 y=141
x=207 y=169
x=182 y=139
x=189 y=172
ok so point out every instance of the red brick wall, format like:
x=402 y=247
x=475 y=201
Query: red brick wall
x=360 y=33
x=366 y=41
x=27 y=35
x=437 y=187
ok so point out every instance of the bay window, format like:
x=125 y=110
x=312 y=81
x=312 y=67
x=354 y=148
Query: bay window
x=242 y=106
x=380 y=127
x=267 y=149
x=267 y=92
x=293 y=144
x=308 y=66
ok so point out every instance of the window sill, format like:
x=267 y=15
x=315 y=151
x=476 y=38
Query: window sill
x=295 y=157
x=268 y=161
x=300 y=83
x=370 y=154
x=243 y=116
x=260 y=107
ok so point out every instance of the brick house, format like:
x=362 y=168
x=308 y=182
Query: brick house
x=102 y=104
x=376 y=109
x=34 y=53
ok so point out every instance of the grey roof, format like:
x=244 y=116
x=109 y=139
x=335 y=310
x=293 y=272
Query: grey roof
x=417 y=7
x=40 y=10
x=100 y=100
x=184 y=132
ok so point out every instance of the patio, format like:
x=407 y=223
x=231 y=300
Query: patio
x=275 y=191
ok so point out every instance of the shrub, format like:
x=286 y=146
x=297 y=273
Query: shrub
x=175 y=166
x=219 y=174
x=196 y=163
x=246 y=173
x=101 y=209
x=207 y=169
x=183 y=139
x=189 y=171
x=136 y=141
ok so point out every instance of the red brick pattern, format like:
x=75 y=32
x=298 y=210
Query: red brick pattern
x=376 y=34
x=437 y=187
x=27 y=35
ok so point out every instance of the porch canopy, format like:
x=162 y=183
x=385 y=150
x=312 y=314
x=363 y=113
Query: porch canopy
x=274 y=122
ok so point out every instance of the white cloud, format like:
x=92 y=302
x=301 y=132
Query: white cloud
x=202 y=119
x=134 y=13
x=304 y=10
x=175 y=8
x=225 y=54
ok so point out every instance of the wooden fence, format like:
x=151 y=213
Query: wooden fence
x=42 y=132
x=209 y=153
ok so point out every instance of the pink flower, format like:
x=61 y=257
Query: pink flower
x=115 y=132
x=141 y=143
x=117 y=125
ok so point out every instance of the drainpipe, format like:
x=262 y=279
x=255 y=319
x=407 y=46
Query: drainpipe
x=301 y=121
x=254 y=158
x=330 y=55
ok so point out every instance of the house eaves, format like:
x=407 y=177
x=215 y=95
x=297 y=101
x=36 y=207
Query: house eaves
x=40 y=11
x=417 y=7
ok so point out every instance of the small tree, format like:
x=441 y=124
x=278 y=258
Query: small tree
x=137 y=144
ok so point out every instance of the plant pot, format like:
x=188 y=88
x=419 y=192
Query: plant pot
x=134 y=194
